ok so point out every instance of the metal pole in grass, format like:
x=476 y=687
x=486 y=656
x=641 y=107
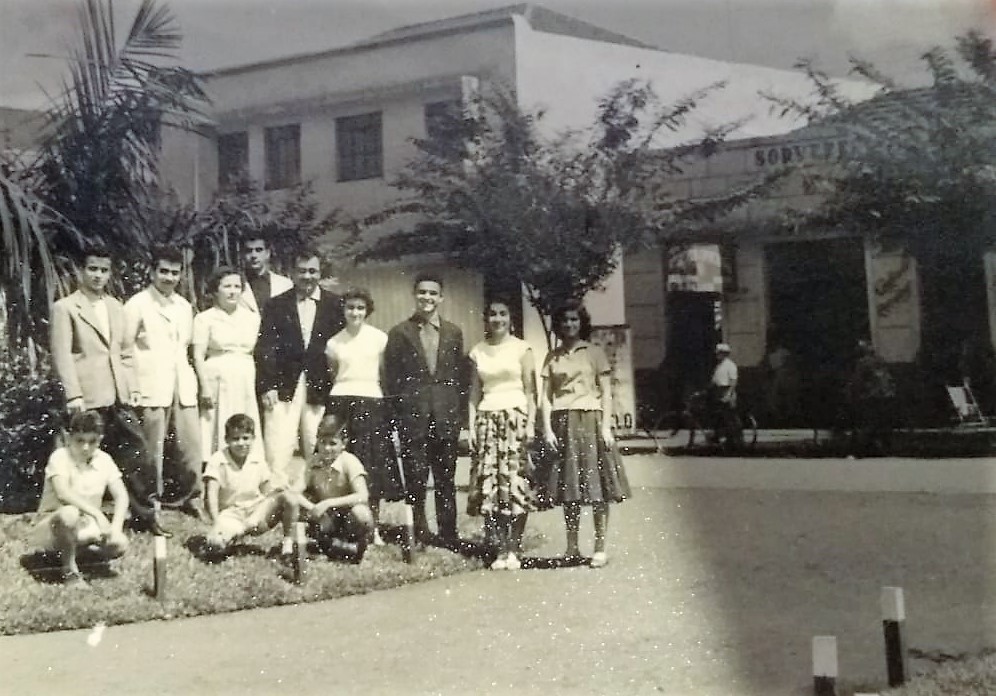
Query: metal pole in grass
x=893 y=617
x=825 y=665
x=408 y=530
x=159 y=566
x=300 y=552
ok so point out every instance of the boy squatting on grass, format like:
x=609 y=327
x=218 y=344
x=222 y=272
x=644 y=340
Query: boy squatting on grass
x=335 y=499
x=241 y=500
x=77 y=477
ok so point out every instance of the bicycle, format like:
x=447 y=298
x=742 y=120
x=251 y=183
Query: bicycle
x=696 y=417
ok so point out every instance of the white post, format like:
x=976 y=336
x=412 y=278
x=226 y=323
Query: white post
x=825 y=665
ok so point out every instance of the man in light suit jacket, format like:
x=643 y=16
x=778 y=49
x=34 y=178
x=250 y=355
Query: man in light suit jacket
x=292 y=374
x=160 y=327
x=426 y=374
x=262 y=284
x=87 y=337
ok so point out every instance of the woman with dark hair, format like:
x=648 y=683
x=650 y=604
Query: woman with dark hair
x=356 y=365
x=224 y=337
x=503 y=420
x=576 y=404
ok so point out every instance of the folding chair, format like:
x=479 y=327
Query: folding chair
x=966 y=407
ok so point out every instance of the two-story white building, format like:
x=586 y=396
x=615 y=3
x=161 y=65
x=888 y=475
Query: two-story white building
x=344 y=120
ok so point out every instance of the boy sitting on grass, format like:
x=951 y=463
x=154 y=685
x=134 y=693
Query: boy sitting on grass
x=77 y=477
x=335 y=499
x=241 y=500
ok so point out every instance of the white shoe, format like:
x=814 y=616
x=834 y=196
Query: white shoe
x=512 y=562
x=378 y=540
x=500 y=563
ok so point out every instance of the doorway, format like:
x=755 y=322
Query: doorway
x=818 y=310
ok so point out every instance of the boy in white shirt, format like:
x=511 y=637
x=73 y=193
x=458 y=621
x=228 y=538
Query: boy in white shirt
x=241 y=500
x=77 y=477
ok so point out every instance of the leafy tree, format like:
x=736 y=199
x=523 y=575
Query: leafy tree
x=492 y=194
x=95 y=173
x=920 y=173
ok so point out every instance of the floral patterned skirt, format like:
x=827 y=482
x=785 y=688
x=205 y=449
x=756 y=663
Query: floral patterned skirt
x=498 y=482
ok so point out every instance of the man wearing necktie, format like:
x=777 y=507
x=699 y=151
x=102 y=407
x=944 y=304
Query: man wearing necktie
x=292 y=375
x=425 y=373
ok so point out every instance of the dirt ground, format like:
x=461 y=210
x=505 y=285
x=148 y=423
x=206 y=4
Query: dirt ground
x=708 y=592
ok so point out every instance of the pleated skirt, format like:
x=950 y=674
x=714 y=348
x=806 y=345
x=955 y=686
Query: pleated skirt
x=584 y=469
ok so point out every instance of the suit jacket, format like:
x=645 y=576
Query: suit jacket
x=161 y=328
x=91 y=364
x=281 y=355
x=419 y=394
x=278 y=285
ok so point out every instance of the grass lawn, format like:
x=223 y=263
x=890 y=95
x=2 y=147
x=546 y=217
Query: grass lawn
x=32 y=600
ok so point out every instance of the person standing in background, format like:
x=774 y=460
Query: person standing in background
x=159 y=327
x=356 y=366
x=223 y=341
x=97 y=374
x=261 y=283
x=292 y=376
x=425 y=372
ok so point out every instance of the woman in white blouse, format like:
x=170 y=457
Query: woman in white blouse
x=356 y=365
x=503 y=421
x=223 y=340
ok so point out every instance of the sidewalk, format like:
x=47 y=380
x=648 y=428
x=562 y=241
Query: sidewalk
x=708 y=593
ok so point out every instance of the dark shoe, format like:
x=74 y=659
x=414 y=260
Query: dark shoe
x=195 y=508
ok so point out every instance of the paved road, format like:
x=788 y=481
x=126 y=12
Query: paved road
x=709 y=592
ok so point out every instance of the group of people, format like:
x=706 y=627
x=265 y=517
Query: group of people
x=279 y=364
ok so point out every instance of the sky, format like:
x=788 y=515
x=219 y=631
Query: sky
x=892 y=33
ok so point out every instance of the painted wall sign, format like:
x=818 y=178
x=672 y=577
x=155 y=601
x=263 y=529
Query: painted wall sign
x=617 y=343
x=815 y=151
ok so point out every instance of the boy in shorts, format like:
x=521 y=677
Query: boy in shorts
x=335 y=499
x=77 y=477
x=241 y=501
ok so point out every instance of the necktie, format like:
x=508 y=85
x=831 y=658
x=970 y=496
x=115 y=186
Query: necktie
x=430 y=344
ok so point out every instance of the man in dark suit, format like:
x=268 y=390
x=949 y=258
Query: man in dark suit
x=96 y=367
x=292 y=375
x=424 y=364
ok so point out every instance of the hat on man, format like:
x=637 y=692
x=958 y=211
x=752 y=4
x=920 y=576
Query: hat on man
x=723 y=348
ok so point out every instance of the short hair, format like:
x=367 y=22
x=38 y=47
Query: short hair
x=308 y=251
x=359 y=294
x=253 y=236
x=496 y=299
x=214 y=281
x=83 y=422
x=239 y=424
x=426 y=277
x=332 y=425
x=167 y=253
x=96 y=249
x=572 y=306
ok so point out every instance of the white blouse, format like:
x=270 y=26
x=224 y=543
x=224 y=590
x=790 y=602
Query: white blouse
x=499 y=367
x=358 y=359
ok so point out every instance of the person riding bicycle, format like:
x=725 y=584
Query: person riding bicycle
x=723 y=398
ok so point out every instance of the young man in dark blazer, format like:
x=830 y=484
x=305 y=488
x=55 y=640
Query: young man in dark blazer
x=292 y=374
x=424 y=365
x=96 y=367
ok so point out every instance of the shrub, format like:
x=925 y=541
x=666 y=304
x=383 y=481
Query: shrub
x=30 y=416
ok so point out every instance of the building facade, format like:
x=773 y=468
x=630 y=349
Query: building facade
x=344 y=120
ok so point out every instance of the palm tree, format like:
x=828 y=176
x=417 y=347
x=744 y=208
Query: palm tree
x=95 y=175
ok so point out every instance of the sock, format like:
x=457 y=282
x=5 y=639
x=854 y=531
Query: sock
x=287 y=546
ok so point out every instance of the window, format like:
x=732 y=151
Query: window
x=282 y=151
x=441 y=118
x=360 y=147
x=233 y=157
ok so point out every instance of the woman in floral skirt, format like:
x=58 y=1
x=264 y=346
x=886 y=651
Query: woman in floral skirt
x=576 y=408
x=503 y=420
